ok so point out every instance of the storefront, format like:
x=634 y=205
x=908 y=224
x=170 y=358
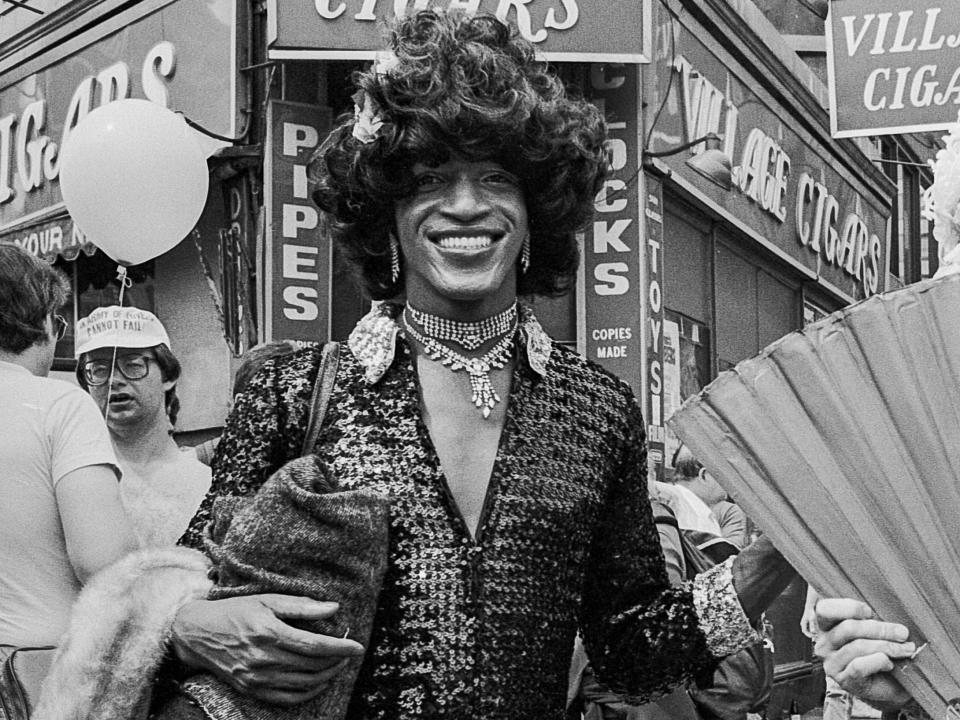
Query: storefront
x=681 y=277
x=317 y=45
x=181 y=55
x=797 y=230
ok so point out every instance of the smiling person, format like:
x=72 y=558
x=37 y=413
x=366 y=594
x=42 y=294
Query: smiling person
x=515 y=469
x=125 y=363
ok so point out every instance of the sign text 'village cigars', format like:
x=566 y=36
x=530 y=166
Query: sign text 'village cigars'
x=892 y=69
x=574 y=30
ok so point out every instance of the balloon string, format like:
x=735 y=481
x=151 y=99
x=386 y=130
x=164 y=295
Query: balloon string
x=125 y=281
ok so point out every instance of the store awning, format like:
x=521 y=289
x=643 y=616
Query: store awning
x=50 y=238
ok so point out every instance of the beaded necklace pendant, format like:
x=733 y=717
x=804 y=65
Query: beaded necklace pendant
x=483 y=395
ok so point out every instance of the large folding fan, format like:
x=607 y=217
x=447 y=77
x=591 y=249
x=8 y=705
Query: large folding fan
x=842 y=442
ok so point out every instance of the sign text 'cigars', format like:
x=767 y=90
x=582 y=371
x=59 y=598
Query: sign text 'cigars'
x=892 y=69
x=27 y=152
x=764 y=173
x=560 y=29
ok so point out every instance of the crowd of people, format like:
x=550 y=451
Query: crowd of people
x=520 y=520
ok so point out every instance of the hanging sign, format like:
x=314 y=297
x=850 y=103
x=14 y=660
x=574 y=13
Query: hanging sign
x=892 y=68
x=658 y=351
x=297 y=256
x=574 y=30
x=612 y=242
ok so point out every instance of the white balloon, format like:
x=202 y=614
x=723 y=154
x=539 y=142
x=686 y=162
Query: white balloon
x=133 y=179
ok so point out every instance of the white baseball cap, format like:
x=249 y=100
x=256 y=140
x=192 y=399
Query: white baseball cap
x=116 y=326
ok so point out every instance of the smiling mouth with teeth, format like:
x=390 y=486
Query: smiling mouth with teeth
x=473 y=242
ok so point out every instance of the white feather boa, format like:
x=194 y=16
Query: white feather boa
x=107 y=661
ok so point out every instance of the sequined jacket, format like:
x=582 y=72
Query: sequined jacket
x=484 y=627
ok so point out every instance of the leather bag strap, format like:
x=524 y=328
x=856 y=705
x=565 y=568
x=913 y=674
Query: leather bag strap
x=322 y=389
x=21 y=673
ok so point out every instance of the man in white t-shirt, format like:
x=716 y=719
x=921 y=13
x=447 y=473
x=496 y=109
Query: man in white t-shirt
x=60 y=513
x=126 y=365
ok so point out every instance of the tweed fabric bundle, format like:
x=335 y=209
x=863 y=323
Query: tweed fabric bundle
x=299 y=536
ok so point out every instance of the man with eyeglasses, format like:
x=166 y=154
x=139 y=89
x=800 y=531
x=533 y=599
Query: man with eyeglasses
x=60 y=514
x=125 y=363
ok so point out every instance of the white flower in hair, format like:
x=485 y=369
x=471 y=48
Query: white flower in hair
x=367 y=120
x=366 y=113
x=942 y=202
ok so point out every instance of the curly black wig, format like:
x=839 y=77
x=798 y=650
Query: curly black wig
x=467 y=87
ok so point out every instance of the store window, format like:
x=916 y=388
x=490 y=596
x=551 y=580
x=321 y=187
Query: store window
x=754 y=307
x=94 y=283
x=929 y=250
x=688 y=312
x=688 y=274
x=908 y=219
x=908 y=241
x=686 y=367
x=812 y=312
x=725 y=301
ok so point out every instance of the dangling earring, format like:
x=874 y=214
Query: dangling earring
x=394 y=259
x=525 y=255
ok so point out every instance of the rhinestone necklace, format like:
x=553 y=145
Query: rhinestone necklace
x=468 y=335
x=483 y=394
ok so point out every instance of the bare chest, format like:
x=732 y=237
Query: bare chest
x=466 y=443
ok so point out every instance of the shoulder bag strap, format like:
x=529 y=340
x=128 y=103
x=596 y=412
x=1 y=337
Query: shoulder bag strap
x=21 y=675
x=322 y=389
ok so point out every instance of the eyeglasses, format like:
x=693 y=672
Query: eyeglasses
x=132 y=367
x=60 y=326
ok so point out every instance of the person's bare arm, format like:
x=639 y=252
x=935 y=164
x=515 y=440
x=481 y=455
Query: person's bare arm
x=95 y=527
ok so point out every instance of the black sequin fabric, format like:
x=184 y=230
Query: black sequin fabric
x=484 y=628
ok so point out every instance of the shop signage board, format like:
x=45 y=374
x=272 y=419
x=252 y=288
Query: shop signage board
x=297 y=255
x=658 y=349
x=574 y=30
x=612 y=252
x=893 y=67
x=165 y=57
x=790 y=191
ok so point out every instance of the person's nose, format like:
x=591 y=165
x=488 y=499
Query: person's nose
x=466 y=200
x=117 y=380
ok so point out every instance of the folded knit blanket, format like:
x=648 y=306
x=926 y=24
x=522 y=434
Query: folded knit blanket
x=299 y=535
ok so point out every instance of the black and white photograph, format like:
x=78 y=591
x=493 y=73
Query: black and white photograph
x=479 y=360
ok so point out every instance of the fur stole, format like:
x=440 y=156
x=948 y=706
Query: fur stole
x=116 y=641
